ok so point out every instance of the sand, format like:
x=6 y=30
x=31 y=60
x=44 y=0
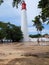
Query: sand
x=27 y=53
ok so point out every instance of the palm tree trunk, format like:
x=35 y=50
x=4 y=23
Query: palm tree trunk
x=38 y=38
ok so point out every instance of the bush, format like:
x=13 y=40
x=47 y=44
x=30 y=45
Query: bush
x=35 y=36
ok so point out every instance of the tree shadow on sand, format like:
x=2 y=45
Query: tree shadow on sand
x=28 y=60
x=38 y=55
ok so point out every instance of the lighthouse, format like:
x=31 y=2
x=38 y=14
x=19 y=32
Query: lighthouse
x=24 y=26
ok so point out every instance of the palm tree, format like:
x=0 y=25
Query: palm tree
x=41 y=28
x=14 y=3
x=1 y=1
x=38 y=25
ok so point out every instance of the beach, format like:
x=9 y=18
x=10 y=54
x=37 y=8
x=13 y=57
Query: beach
x=27 y=53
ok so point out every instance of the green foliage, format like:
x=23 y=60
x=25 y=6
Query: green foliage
x=1 y=1
x=37 y=23
x=35 y=36
x=10 y=31
x=15 y=3
x=44 y=5
x=2 y=35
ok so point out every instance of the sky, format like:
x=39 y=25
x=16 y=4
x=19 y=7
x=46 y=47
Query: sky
x=13 y=15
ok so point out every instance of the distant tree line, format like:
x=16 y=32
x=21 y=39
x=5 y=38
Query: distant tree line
x=35 y=36
x=9 y=31
x=38 y=35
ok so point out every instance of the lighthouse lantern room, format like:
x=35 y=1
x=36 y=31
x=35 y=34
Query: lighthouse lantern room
x=23 y=5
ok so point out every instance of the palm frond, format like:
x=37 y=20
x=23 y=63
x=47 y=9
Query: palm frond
x=48 y=22
x=1 y=1
x=15 y=3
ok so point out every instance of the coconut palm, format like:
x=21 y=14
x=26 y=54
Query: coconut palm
x=38 y=25
x=14 y=3
x=1 y=1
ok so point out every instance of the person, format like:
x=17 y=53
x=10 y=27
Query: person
x=38 y=41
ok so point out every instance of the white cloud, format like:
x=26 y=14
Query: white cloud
x=45 y=31
x=31 y=29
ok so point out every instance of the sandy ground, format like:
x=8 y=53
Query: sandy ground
x=27 y=53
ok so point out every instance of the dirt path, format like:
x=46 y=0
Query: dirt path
x=23 y=54
x=28 y=61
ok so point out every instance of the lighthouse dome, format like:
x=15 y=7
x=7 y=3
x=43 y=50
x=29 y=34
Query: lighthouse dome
x=23 y=5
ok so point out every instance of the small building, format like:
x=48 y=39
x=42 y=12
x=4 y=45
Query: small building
x=46 y=36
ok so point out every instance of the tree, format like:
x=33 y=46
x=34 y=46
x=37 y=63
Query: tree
x=2 y=35
x=1 y=1
x=13 y=32
x=41 y=28
x=44 y=6
x=35 y=36
x=38 y=25
x=14 y=3
x=10 y=31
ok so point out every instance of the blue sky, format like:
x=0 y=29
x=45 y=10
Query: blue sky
x=13 y=15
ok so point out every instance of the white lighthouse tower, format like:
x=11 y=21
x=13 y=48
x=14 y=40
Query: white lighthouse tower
x=24 y=26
